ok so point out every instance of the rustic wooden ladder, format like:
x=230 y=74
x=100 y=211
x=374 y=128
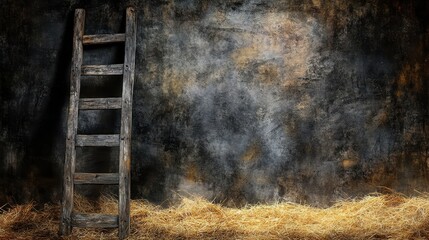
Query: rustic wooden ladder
x=69 y=218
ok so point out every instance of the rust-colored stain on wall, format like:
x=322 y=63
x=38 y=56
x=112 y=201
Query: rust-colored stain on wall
x=252 y=153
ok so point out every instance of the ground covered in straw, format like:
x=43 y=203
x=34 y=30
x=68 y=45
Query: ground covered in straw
x=373 y=217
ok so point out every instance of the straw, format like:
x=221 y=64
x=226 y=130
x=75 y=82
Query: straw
x=390 y=216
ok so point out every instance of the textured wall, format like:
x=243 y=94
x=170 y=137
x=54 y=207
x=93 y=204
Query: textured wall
x=237 y=101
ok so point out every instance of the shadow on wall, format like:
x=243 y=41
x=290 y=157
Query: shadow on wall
x=41 y=174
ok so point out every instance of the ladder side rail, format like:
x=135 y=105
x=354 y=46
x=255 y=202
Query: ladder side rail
x=126 y=121
x=70 y=156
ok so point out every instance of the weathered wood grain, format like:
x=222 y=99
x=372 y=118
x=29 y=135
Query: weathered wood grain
x=111 y=140
x=126 y=116
x=95 y=220
x=70 y=156
x=100 y=103
x=103 y=38
x=96 y=178
x=112 y=69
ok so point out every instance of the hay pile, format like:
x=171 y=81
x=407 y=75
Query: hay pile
x=374 y=217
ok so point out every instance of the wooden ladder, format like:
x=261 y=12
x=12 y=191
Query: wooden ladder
x=69 y=218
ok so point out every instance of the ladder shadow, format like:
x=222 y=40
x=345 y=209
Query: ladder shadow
x=42 y=160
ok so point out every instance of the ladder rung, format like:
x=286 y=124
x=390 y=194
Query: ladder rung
x=94 y=220
x=100 y=103
x=112 y=69
x=97 y=140
x=96 y=178
x=103 y=38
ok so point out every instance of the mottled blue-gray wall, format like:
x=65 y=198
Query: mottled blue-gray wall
x=238 y=101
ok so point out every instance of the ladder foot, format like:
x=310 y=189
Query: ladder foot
x=65 y=229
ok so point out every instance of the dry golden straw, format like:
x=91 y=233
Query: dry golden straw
x=373 y=217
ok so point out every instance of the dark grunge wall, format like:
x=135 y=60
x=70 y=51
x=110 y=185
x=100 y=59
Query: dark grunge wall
x=238 y=101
